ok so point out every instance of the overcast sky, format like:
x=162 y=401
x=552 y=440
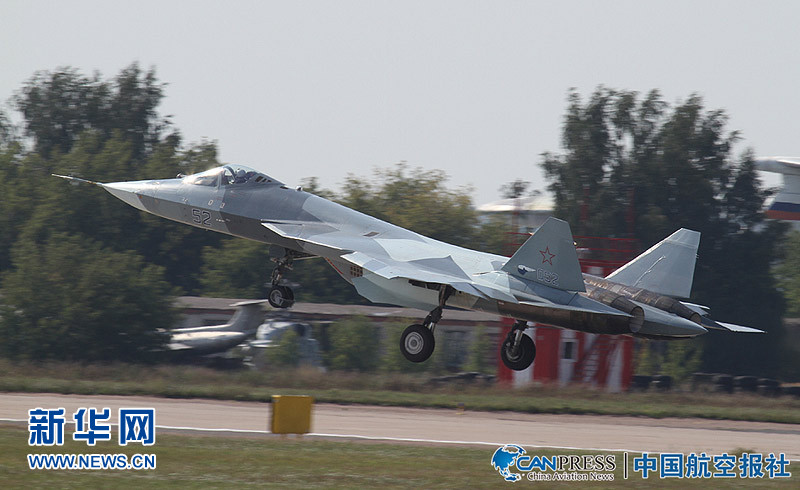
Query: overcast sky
x=477 y=89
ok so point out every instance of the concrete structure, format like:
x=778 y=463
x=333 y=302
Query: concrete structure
x=454 y=332
x=563 y=356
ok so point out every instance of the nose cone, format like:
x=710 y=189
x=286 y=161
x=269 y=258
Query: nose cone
x=132 y=192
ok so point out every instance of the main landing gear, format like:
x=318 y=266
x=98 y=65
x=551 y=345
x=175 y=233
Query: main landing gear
x=518 y=350
x=281 y=296
x=417 y=342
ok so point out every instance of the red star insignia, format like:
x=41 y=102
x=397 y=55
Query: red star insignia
x=547 y=256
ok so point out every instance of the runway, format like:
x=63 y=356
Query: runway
x=439 y=426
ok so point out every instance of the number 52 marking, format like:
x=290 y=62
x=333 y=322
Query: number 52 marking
x=201 y=217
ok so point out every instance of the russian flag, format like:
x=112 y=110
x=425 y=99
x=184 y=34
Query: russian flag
x=784 y=211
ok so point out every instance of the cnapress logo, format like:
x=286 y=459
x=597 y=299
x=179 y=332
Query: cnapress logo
x=514 y=464
x=587 y=467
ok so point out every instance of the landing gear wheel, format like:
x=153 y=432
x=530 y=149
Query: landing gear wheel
x=526 y=352
x=417 y=343
x=281 y=297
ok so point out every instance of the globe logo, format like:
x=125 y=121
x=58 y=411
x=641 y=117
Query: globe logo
x=504 y=458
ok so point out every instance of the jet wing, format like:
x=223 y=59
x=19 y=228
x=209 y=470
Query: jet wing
x=313 y=235
x=391 y=269
x=322 y=239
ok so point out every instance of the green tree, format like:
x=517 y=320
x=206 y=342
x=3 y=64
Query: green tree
x=479 y=348
x=416 y=199
x=392 y=360
x=514 y=189
x=6 y=129
x=40 y=205
x=788 y=273
x=354 y=345
x=239 y=269
x=57 y=107
x=493 y=236
x=104 y=130
x=71 y=299
x=286 y=352
x=638 y=167
x=682 y=359
x=678 y=359
x=648 y=357
x=16 y=194
x=242 y=269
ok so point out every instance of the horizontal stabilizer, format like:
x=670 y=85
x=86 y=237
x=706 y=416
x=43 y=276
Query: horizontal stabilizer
x=728 y=327
x=740 y=328
x=715 y=325
x=666 y=268
x=548 y=257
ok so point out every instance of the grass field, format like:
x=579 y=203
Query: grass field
x=176 y=381
x=216 y=462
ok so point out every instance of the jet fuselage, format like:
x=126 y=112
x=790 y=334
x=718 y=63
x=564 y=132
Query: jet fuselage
x=260 y=208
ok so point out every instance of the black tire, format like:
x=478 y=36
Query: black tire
x=417 y=343
x=288 y=296
x=281 y=297
x=525 y=354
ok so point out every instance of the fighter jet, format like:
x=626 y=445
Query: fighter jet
x=786 y=204
x=541 y=282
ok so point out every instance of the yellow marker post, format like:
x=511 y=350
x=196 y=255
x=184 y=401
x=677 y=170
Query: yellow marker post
x=291 y=414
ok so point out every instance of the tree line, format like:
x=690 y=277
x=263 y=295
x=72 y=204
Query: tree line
x=636 y=166
x=62 y=246
x=76 y=266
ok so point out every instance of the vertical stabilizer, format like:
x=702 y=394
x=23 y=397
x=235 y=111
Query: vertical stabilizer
x=248 y=316
x=548 y=257
x=666 y=268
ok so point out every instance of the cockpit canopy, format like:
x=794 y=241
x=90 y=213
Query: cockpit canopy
x=229 y=175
